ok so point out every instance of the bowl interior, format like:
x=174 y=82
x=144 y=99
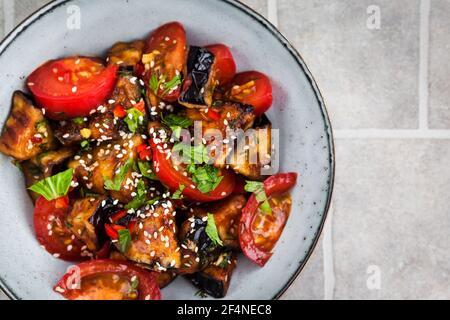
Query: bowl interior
x=28 y=272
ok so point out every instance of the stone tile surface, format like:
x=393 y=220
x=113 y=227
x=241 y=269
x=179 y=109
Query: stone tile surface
x=439 y=98
x=369 y=78
x=391 y=211
x=259 y=6
x=310 y=283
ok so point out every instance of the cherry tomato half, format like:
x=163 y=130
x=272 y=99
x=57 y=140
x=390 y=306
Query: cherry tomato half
x=225 y=67
x=258 y=233
x=72 y=87
x=172 y=179
x=253 y=88
x=51 y=230
x=164 y=60
x=108 y=280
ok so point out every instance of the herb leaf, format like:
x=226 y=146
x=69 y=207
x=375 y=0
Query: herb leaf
x=124 y=240
x=257 y=188
x=154 y=83
x=54 y=187
x=134 y=119
x=172 y=84
x=139 y=200
x=211 y=230
x=85 y=145
x=172 y=120
x=206 y=178
x=116 y=183
x=146 y=170
x=179 y=193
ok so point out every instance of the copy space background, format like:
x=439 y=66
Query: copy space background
x=383 y=67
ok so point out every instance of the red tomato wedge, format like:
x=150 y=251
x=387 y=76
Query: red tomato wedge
x=225 y=67
x=108 y=280
x=253 y=88
x=51 y=230
x=72 y=87
x=164 y=60
x=172 y=179
x=258 y=232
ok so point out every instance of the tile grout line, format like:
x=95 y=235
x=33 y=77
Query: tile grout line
x=423 y=63
x=328 y=260
x=8 y=16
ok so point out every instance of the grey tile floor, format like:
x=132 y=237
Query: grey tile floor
x=387 y=90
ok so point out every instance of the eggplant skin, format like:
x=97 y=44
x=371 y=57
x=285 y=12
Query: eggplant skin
x=199 y=83
x=216 y=277
x=87 y=219
x=26 y=132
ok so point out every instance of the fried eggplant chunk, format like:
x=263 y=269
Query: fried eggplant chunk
x=154 y=238
x=109 y=162
x=26 y=133
x=199 y=82
x=126 y=54
x=216 y=277
x=87 y=219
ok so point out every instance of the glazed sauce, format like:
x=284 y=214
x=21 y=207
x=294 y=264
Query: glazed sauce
x=107 y=286
x=267 y=228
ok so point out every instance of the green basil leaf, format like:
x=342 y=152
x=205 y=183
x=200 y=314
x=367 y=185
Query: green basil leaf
x=211 y=230
x=54 y=187
x=172 y=120
x=124 y=240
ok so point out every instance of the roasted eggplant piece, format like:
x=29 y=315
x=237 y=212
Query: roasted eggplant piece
x=196 y=247
x=103 y=163
x=43 y=166
x=227 y=214
x=87 y=219
x=199 y=82
x=26 y=132
x=126 y=54
x=216 y=277
x=153 y=239
x=127 y=93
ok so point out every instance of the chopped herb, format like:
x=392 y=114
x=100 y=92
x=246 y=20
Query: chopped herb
x=85 y=145
x=179 y=193
x=124 y=240
x=206 y=178
x=116 y=183
x=139 y=200
x=146 y=170
x=197 y=154
x=257 y=188
x=79 y=120
x=172 y=84
x=153 y=201
x=172 y=120
x=211 y=230
x=154 y=83
x=134 y=285
x=54 y=187
x=134 y=119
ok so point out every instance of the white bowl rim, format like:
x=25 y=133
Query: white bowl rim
x=39 y=13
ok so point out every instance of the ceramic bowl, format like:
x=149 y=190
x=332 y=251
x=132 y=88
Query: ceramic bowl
x=306 y=145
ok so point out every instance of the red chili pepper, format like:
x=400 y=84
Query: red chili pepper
x=36 y=139
x=213 y=115
x=119 y=215
x=145 y=155
x=111 y=232
x=118 y=227
x=141 y=148
x=132 y=225
x=119 y=112
x=140 y=106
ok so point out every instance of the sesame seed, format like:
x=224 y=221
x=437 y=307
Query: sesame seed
x=74 y=89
